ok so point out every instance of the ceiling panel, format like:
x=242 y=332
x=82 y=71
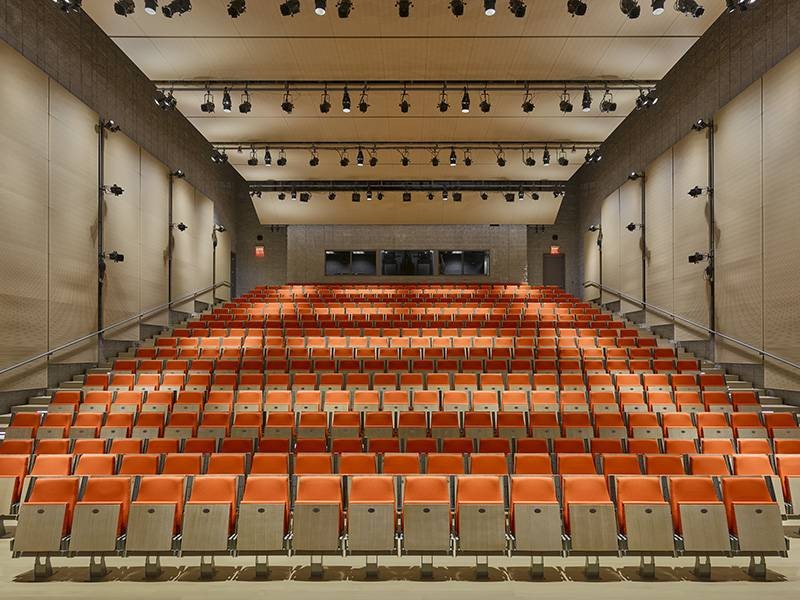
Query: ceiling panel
x=375 y=44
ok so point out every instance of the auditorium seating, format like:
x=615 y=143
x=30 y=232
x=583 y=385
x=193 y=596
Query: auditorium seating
x=421 y=420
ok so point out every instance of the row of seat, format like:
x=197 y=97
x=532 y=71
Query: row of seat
x=424 y=445
x=188 y=420
x=581 y=515
x=361 y=400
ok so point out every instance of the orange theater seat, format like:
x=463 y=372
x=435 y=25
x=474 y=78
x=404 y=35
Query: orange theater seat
x=57 y=490
x=743 y=490
x=216 y=490
x=267 y=489
x=637 y=490
x=163 y=490
x=582 y=489
x=690 y=490
x=110 y=490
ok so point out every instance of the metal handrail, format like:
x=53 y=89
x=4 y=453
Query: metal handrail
x=116 y=325
x=653 y=308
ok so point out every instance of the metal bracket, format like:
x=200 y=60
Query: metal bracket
x=647 y=568
x=757 y=568
x=592 y=568
x=97 y=567
x=537 y=567
x=702 y=568
x=152 y=567
x=426 y=567
x=482 y=567
x=42 y=567
x=317 y=569
x=207 y=567
x=262 y=567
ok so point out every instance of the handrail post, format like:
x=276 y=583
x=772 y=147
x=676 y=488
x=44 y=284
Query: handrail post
x=712 y=243
x=643 y=239
x=101 y=265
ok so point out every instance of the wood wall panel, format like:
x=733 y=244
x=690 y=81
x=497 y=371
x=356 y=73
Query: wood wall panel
x=658 y=227
x=122 y=233
x=591 y=264
x=690 y=234
x=73 y=225
x=630 y=244
x=154 y=231
x=222 y=263
x=738 y=208
x=781 y=171
x=183 y=243
x=23 y=204
x=204 y=247
x=609 y=219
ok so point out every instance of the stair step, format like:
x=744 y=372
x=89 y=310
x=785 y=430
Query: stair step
x=71 y=385
x=80 y=377
x=766 y=399
x=27 y=408
x=740 y=385
x=40 y=400
x=102 y=370
x=780 y=408
x=5 y=419
x=731 y=377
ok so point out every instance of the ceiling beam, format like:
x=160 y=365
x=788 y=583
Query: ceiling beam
x=396 y=185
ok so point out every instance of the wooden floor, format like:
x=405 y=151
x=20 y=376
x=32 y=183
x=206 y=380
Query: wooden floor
x=345 y=579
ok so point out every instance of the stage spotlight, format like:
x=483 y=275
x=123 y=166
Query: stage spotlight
x=124 y=7
x=362 y=101
x=467 y=158
x=294 y=194
x=267 y=157
x=534 y=196
x=632 y=226
x=697 y=257
x=594 y=228
x=657 y=6
x=527 y=102
x=305 y=196
x=253 y=160
x=208 y=102
x=360 y=159
x=562 y=158
x=700 y=124
x=457 y=196
x=404 y=104
x=430 y=195
x=219 y=228
x=457 y=8
x=489 y=7
x=236 y=8
x=453 y=157
x=290 y=8
x=404 y=160
x=281 y=162
x=177 y=173
x=226 y=101
x=501 y=158
x=435 y=160
x=406 y=196
x=344 y=7
x=517 y=8
x=696 y=191
x=444 y=194
x=484 y=196
x=690 y=8
x=509 y=196
x=345 y=100
x=607 y=104
x=404 y=8
x=281 y=196
x=110 y=125
x=150 y=7
x=576 y=8
x=373 y=158
x=320 y=7
x=634 y=175
x=176 y=7
x=344 y=160
x=114 y=189
x=314 y=160
x=287 y=105
x=443 y=105
x=546 y=158
x=332 y=196
x=630 y=8
x=485 y=104
x=465 y=101
x=245 y=106
x=530 y=159
x=565 y=106
x=586 y=102
x=116 y=257
x=180 y=226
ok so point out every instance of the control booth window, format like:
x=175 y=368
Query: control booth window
x=350 y=262
x=463 y=262
x=407 y=262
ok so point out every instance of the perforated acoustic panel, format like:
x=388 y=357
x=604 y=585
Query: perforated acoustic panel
x=738 y=208
x=23 y=203
x=122 y=234
x=630 y=243
x=609 y=218
x=690 y=233
x=781 y=170
x=73 y=220
x=153 y=220
x=658 y=224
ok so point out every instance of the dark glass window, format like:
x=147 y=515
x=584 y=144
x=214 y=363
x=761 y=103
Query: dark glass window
x=350 y=262
x=463 y=262
x=407 y=262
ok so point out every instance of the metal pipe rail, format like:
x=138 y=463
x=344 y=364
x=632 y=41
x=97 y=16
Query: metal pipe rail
x=431 y=146
x=717 y=334
x=137 y=317
x=453 y=86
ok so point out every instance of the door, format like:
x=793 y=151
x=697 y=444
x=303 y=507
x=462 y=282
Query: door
x=554 y=270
